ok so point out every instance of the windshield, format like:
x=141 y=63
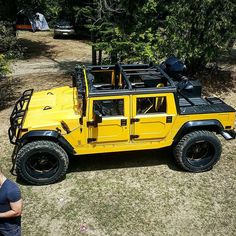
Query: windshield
x=64 y=22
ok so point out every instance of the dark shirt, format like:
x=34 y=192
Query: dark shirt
x=9 y=192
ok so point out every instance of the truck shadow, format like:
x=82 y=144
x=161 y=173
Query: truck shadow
x=121 y=160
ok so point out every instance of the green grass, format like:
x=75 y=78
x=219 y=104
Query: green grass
x=129 y=194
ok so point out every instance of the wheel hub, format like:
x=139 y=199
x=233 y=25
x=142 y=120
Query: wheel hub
x=200 y=152
x=42 y=164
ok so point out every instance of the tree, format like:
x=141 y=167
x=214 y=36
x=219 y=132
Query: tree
x=8 y=10
x=196 y=31
x=134 y=33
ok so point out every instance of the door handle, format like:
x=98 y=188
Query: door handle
x=134 y=136
x=169 y=119
x=133 y=120
x=90 y=140
x=123 y=122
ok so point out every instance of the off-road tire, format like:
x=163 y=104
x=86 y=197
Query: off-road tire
x=32 y=152
x=182 y=149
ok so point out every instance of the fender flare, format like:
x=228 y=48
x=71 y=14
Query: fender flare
x=211 y=125
x=47 y=135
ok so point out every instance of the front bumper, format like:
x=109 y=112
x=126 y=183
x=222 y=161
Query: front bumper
x=18 y=115
x=64 y=32
x=228 y=134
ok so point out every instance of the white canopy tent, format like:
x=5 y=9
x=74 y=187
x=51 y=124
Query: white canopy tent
x=40 y=21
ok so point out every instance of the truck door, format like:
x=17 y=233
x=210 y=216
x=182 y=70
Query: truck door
x=152 y=116
x=115 y=122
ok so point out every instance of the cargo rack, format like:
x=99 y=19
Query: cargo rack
x=17 y=116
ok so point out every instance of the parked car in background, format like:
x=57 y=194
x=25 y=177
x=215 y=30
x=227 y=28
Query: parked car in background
x=64 y=28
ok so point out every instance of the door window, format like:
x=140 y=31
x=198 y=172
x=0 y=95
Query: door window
x=149 y=105
x=111 y=107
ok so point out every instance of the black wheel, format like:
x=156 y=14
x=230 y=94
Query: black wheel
x=198 y=151
x=41 y=162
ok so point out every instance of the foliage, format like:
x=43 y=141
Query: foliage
x=133 y=34
x=8 y=47
x=8 y=10
x=4 y=67
x=8 y=41
x=132 y=31
x=5 y=84
x=196 y=31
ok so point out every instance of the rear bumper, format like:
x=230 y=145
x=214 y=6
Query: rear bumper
x=228 y=134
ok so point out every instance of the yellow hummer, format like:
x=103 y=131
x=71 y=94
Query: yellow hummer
x=115 y=108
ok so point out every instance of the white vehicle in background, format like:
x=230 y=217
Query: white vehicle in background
x=64 y=28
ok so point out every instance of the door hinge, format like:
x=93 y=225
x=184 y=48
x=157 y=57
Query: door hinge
x=133 y=120
x=134 y=136
x=123 y=122
x=90 y=140
x=169 y=119
x=81 y=120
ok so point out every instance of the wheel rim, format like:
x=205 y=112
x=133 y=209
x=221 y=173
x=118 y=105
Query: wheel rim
x=42 y=165
x=200 y=153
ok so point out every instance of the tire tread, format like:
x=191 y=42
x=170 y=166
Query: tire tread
x=27 y=148
x=178 y=150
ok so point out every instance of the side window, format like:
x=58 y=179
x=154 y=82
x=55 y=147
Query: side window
x=102 y=77
x=150 y=105
x=111 y=107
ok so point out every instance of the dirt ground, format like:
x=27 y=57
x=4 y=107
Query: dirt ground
x=43 y=54
x=133 y=193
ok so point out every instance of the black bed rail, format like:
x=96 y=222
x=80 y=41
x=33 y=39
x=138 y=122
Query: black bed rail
x=17 y=116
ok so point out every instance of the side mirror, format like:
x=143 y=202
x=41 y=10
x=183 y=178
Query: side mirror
x=97 y=118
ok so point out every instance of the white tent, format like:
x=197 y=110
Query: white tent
x=40 y=22
x=27 y=21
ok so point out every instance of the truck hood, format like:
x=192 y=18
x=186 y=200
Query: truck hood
x=47 y=109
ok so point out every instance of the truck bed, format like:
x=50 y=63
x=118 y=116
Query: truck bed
x=199 y=105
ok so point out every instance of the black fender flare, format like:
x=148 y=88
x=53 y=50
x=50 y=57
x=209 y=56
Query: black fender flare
x=210 y=125
x=47 y=135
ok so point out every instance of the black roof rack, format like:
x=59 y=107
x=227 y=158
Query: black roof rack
x=83 y=83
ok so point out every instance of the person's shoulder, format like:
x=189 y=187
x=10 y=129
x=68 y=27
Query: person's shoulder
x=10 y=182
x=11 y=185
x=13 y=191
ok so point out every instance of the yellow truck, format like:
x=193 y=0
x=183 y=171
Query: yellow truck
x=115 y=108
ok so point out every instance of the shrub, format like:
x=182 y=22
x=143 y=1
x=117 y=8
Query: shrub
x=4 y=67
x=8 y=41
